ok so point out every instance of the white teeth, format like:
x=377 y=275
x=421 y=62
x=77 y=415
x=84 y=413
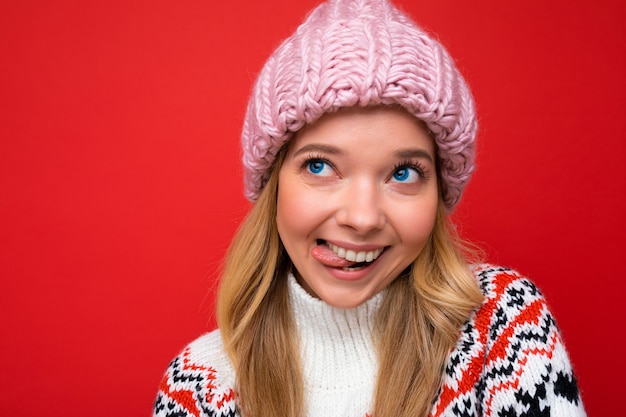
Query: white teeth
x=353 y=256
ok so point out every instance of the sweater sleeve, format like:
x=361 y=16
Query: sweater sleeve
x=526 y=369
x=193 y=385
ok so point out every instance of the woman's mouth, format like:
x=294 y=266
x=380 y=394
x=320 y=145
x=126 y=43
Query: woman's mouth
x=336 y=256
x=355 y=256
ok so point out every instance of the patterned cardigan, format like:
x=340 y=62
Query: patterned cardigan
x=509 y=361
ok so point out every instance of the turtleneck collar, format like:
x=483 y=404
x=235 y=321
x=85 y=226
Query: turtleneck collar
x=328 y=321
x=337 y=349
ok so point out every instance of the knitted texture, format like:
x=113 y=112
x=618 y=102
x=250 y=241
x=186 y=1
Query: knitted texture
x=360 y=53
x=509 y=361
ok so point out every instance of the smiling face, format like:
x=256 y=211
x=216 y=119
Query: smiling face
x=357 y=201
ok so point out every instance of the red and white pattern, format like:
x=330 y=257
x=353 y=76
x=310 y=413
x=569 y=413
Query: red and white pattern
x=191 y=387
x=509 y=361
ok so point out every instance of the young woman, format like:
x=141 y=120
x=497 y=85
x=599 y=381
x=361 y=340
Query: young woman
x=345 y=291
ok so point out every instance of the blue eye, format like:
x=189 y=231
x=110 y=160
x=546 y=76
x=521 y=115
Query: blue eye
x=316 y=166
x=319 y=167
x=406 y=174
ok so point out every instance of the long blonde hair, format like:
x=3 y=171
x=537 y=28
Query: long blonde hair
x=417 y=326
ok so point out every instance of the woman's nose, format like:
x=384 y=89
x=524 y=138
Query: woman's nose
x=361 y=207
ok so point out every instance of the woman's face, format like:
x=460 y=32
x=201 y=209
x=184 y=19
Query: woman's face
x=357 y=200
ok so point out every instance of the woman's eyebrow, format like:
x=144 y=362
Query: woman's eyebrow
x=318 y=147
x=415 y=153
x=330 y=149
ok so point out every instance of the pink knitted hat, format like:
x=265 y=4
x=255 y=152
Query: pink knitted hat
x=360 y=53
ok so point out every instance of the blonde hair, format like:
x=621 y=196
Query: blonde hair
x=416 y=328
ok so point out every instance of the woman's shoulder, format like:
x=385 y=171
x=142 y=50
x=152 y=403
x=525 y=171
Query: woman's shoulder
x=198 y=381
x=511 y=301
x=496 y=280
x=511 y=351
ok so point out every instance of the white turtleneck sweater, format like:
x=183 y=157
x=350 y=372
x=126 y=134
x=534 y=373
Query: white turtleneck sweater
x=509 y=360
x=338 y=357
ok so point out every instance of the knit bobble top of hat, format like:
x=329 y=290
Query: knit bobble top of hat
x=360 y=53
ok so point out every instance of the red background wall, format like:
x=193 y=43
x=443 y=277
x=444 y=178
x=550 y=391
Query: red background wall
x=120 y=182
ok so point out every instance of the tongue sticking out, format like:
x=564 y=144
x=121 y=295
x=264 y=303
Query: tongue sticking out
x=326 y=256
